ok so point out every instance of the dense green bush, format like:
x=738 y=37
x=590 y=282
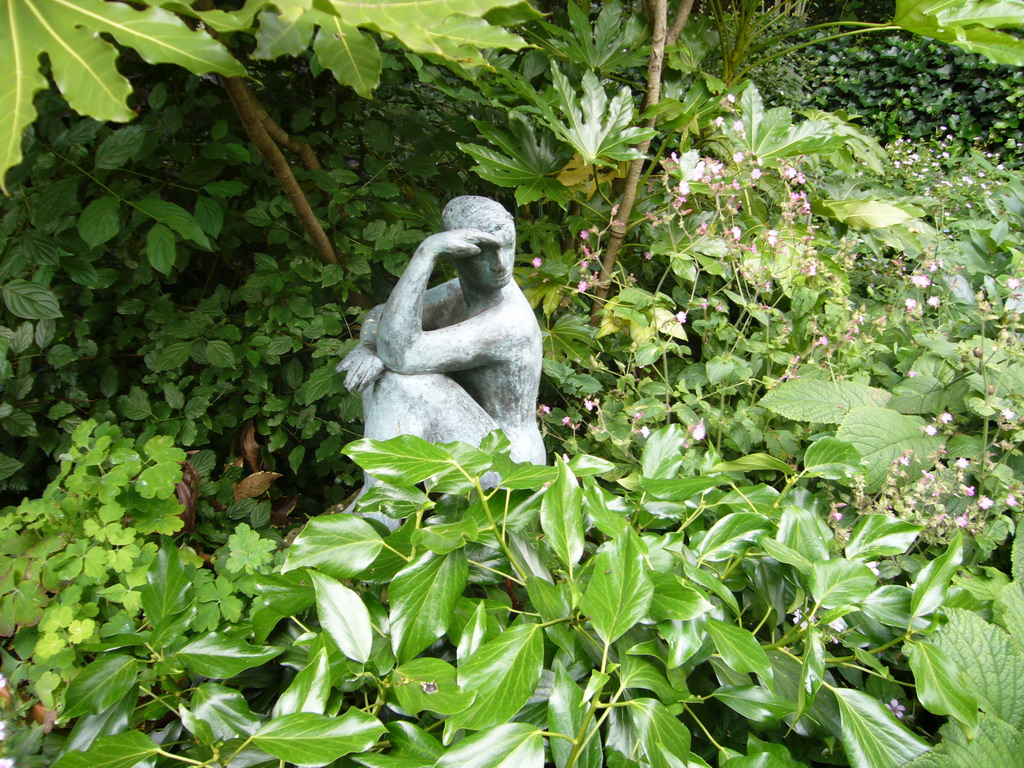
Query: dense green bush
x=902 y=86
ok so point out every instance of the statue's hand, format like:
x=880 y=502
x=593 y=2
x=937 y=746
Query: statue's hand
x=364 y=368
x=460 y=243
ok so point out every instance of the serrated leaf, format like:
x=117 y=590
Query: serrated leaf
x=309 y=739
x=821 y=402
x=322 y=382
x=119 y=147
x=344 y=617
x=219 y=354
x=882 y=436
x=341 y=546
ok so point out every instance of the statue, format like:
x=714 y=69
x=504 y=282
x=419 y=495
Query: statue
x=460 y=360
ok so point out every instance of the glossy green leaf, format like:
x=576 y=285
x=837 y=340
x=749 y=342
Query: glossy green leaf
x=565 y=715
x=446 y=537
x=278 y=36
x=739 y=648
x=224 y=710
x=755 y=702
x=772 y=134
x=832 y=459
x=753 y=462
x=940 y=686
x=309 y=690
x=877 y=536
x=620 y=591
x=341 y=546
x=512 y=745
x=561 y=517
x=681 y=488
x=662 y=736
x=125 y=750
x=971 y=26
x=220 y=656
x=662 y=455
x=344 y=617
x=404 y=460
x=310 y=739
x=423 y=596
x=429 y=684
x=839 y=583
x=503 y=673
x=101 y=684
x=169 y=584
x=872 y=737
x=803 y=531
x=932 y=581
x=675 y=600
x=732 y=534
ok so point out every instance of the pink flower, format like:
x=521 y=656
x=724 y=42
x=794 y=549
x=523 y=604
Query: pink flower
x=697 y=431
x=1013 y=283
x=731 y=99
x=1007 y=414
x=896 y=708
x=821 y=342
x=582 y=286
x=963 y=520
x=773 y=237
x=684 y=188
x=738 y=157
x=567 y=422
x=963 y=463
x=911 y=374
x=719 y=121
x=584 y=234
x=681 y=317
x=1011 y=500
x=921 y=281
x=735 y=232
x=945 y=418
x=985 y=502
x=703 y=228
x=589 y=404
x=537 y=261
x=910 y=304
x=545 y=409
x=645 y=432
x=737 y=126
x=756 y=174
x=930 y=430
x=968 y=490
x=934 y=301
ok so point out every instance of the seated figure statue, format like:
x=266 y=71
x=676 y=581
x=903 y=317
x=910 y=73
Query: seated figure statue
x=457 y=361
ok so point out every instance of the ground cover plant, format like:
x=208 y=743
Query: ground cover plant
x=782 y=394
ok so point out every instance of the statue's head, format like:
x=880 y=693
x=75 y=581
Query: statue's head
x=472 y=212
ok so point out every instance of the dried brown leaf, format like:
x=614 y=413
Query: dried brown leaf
x=255 y=484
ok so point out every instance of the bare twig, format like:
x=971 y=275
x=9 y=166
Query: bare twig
x=659 y=14
x=249 y=109
x=281 y=136
x=679 y=23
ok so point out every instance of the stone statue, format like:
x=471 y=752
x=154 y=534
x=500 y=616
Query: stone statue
x=457 y=361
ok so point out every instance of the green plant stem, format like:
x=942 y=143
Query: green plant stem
x=707 y=733
x=484 y=498
x=188 y=760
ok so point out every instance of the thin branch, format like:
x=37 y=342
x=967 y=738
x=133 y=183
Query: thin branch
x=679 y=23
x=248 y=109
x=659 y=20
x=282 y=137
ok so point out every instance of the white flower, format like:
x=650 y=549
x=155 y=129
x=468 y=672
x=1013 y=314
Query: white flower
x=934 y=301
x=1007 y=414
x=985 y=502
x=910 y=304
x=921 y=281
x=945 y=418
x=930 y=430
x=645 y=431
x=963 y=463
x=738 y=157
x=697 y=431
x=731 y=99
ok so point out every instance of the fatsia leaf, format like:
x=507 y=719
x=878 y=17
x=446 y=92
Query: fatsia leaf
x=872 y=737
x=344 y=616
x=771 y=134
x=502 y=673
x=306 y=738
x=969 y=25
x=351 y=55
x=868 y=214
x=512 y=745
x=278 y=36
x=423 y=597
x=620 y=590
x=83 y=63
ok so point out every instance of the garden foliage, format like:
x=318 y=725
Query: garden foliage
x=782 y=522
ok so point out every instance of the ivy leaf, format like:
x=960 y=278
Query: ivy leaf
x=220 y=656
x=940 y=686
x=125 y=750
x=664 y=739
x=872 y=737
x=565 y=716
x=840 y=583
x=101 y=684
x=561 y=516
x=832 y=459
x=620 y=591
x=503 y=673
x=932 y=581
x=83 y=62
x=305 y=738
x=512 y=745
x=341 y=546
x=739 y=648
x=429 y=684
x=344 y=616
x=404 y=460
x=877 y=536
x=423 y=597
x=310 y=688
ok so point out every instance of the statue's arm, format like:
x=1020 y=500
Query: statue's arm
x=401 y=323
x=480 y=340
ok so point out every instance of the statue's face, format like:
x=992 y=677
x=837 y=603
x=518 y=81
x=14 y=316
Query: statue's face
x=491 y=270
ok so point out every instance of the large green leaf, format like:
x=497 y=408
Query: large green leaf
x=839 y=583
x=344 y=616
x=101 y=684
x=224 y=710
x=309 y=690
x=620 y=591
x=872 y=737
x=882 y=436
x=561 y=517
x=342 y=546
x=995 y=744
x=423 y=597
x=351 y=55
x=940 y=686
x=83 y=62
x=739 y=648
x=771 y=134
x=868 y=214
x=663 y=738
x=221 y=656
x=125 y=750
x=305 y=738
x=876 y=536
x=405 y=460
x=512 y=745
x=932 y=581
x=821 y=402
x=969 y=25
x=429 y=684
x=565 y=715
x=502 y=672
